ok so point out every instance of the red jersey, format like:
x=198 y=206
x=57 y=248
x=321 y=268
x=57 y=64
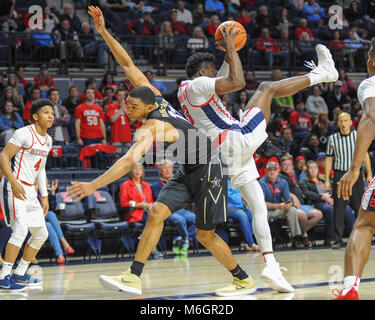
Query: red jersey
x=120 y=129
x=26 y=112
x=90 y=120
x=301 y=119
x=39 y=83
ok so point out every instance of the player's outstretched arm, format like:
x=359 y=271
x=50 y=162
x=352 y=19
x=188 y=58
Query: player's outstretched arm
x=134 y=74
x=365 y=134
x=144 y=139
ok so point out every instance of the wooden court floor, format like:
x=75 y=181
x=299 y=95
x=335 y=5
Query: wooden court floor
x=313 y=273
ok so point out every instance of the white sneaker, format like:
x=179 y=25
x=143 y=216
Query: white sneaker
x=274 y=278
x=325 y=71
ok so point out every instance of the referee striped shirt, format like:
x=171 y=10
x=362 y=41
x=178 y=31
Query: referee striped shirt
x=341 y=148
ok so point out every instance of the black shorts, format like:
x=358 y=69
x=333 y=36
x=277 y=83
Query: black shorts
x=204 y=185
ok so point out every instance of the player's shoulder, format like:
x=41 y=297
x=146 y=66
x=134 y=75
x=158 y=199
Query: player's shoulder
x=367 y=82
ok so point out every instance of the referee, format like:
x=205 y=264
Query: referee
x=340 y=149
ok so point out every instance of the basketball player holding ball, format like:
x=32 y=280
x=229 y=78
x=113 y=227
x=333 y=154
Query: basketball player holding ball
x=238 y=140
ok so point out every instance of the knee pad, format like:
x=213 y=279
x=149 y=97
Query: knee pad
x=19 y=233
x=39 y=235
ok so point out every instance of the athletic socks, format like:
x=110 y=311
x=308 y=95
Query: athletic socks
x=269 y=258
x=6 y=270
x=137 y=268
x=350 y=282
x=239 y=273
x=22 y=267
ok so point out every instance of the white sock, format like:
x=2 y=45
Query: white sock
x=22 y=267
x=315 y=78
x=269 y=258
x=6 y=270
x=350 y=282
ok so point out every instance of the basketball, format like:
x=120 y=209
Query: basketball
x=241 y=37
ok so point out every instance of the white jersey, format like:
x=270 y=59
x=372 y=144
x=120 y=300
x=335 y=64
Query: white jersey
x=31 y=159
x=366 y=89
x=236 y=139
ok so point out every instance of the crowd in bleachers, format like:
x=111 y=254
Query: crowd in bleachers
x=281 y=33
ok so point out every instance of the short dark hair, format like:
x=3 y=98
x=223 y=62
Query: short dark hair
x=38 y=104
x=198 y=61
x=144 y=93
x=84 y=91
x=51 y=90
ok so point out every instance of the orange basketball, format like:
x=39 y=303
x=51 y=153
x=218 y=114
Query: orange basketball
x=241 y=37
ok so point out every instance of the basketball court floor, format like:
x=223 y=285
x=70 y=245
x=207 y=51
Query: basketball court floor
x=314 y=274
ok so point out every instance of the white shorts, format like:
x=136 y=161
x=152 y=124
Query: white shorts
x=368 y=199
x=239 y=145
x=28 y=212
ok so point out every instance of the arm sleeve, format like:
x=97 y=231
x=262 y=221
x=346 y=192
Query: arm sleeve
x=224 y=70
x=42 y=182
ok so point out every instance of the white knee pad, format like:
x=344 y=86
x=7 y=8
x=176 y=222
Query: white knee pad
x=19 y=233
x=39 y=235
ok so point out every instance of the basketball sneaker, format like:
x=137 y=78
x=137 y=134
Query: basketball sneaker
x=352 y=294
x=237 y=288
x=126 y=281
x=26 y=280
x=325 y=71
x=274 y=278
x=184 y=248
x=8 y=284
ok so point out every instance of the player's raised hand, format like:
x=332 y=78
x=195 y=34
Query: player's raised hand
x=18 y=191
x=346 y=183
x=229 y=36
x=79 y=190
x=97 y=16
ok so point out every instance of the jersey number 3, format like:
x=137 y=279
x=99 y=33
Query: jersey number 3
x=37 y=165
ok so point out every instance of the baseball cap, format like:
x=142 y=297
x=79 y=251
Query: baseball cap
x=338 y=83
x=43 y=66
x=300 y=158
x=273 y=163
x=320 y=155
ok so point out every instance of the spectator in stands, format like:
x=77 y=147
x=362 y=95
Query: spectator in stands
x=178 y=27
x=198 y=41
x=142 y=7
x=262 y=14
x=118 y=5
x=323 y=128
x=91 y=83
x=348 y=87
x=92 y=47
x=44 y=81
x=117 y=115
x=306 y=48
x=267 y=47
x=89 y=121
x=321 y=162
x=198 y=14
x=213 y=25
x=167 y=44
x=2 y=84
x=337 y=47
x=157 y=84
x=14 y=83
x=21 y=79
x=284 y=20
x=251 y=83
x=303 y=28
x=337 y=100
x=108 y=98
x=285 y=105
x=286 y=142
x=183 y=219
x=59 y=131
x=354 y=14
x=184 y=14
x=278 y=201
x=72 y=101
x=136 y=194
x=55 y=234
x=9 y=122
x=313 y=12
x=10 y=94
x=6 y=15
x=145 y=26
x=353 y=50
x=74 y=20
x=35 y=95
x=286 y=48
x=214 y=7
x=51 y=21
x=275 y=126
x=240 y=105
x=300 y=122
x=317 y=195
x=245 y=19
x=313 y=216
x=300 y=168
x=311 y=147
x=67 y=40
x=239 y=212
x=109 y=81
x=315 y=103
x=45 y=49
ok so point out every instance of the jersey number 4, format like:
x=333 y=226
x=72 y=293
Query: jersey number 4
x=37 y=165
